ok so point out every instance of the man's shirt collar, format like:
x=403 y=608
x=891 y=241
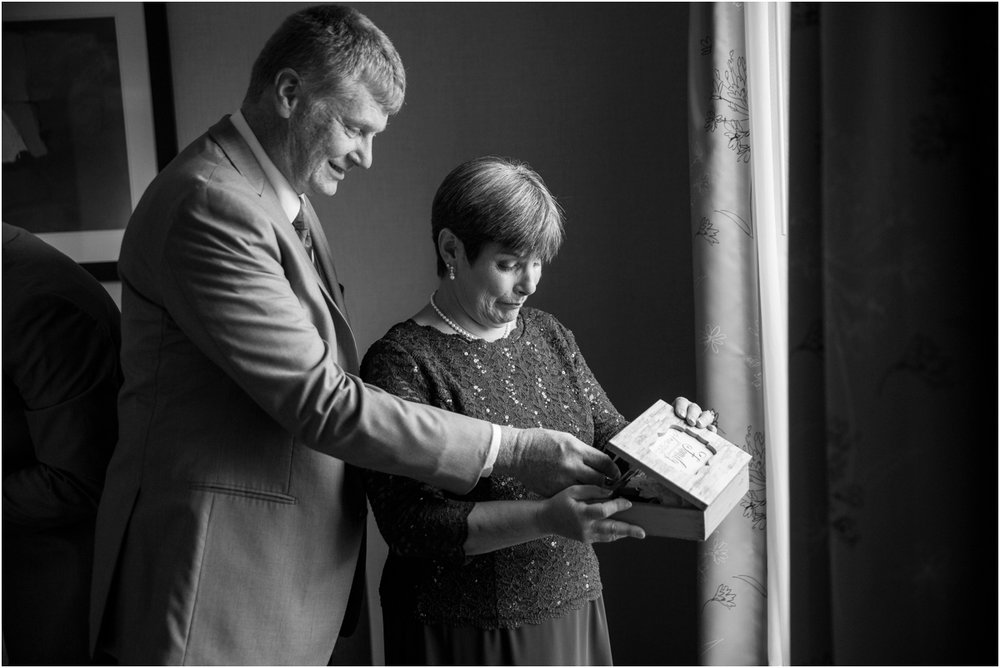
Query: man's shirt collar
x=287 y=197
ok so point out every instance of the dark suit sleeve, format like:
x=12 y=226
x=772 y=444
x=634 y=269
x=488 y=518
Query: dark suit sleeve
x=226 y=288
x=61 y=364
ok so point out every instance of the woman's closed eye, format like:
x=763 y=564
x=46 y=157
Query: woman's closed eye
x=519 y=263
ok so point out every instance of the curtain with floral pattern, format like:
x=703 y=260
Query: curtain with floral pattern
x=733 y=561
x=892 y=278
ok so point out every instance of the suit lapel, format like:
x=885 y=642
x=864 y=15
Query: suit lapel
x=236 y=149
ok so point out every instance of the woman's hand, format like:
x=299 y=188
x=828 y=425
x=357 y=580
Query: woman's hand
x=583 y=513
x=694 y=415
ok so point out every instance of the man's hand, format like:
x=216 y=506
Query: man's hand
x=548 y=461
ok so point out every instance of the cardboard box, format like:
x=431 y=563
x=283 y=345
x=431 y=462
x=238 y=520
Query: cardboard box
x=697 y=475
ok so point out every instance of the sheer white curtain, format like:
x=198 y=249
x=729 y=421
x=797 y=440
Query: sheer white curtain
x=737 y=131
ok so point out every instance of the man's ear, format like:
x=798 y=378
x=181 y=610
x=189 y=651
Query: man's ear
x=287 y=91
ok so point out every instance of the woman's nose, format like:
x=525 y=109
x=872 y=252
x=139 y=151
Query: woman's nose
x=529 y=282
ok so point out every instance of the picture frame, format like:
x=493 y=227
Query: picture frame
x=88 y=121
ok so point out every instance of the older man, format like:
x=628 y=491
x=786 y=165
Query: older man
x=231 y=523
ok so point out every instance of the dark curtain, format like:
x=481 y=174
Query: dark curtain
x=892 y=333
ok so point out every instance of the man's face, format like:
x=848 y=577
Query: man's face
x=329 y=137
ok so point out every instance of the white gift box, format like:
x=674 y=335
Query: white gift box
x=689 y=481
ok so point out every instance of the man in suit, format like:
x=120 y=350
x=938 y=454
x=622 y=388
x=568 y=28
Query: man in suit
x=231 y=524
x=61 y=338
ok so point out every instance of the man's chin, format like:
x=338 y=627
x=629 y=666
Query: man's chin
x=326 y=187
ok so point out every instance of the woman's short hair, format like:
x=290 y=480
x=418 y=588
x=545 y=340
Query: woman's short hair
x=331 y=47
x=495 y=199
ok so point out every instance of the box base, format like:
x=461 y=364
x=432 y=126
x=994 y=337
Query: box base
x=687 y=523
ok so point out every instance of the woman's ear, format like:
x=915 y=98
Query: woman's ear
x=449 y=246
x=287 y=91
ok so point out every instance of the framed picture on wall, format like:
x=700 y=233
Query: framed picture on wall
x=82 y=127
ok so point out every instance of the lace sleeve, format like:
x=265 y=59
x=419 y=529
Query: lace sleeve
x=607 y=420
x=416 y=520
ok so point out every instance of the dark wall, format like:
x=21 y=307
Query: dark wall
x=593 y=97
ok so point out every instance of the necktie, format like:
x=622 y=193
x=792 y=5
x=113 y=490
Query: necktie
x=302 y=230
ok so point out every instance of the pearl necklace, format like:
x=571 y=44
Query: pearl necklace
x=461 y=331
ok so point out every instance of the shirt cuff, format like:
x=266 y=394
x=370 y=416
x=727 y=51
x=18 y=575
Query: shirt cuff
x=491 y=457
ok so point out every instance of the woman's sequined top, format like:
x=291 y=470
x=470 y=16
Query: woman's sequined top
x=536 y=377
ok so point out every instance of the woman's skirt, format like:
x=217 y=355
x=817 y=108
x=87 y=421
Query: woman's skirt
x=577 y=638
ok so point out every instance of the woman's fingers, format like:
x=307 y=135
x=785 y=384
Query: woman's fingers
x=589 y=492
x=585 y=513
x=688 y=410
x=608 y=508
x=706 y=419
x=611 y=530
x=606 y=528
x=693 y=414
x=681 y=407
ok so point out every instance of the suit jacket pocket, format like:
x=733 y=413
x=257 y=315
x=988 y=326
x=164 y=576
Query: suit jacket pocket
x=255 y=494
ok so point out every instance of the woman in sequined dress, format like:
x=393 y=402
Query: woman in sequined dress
x=498 y=576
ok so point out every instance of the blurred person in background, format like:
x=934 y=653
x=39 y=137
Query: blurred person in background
x=61 y=376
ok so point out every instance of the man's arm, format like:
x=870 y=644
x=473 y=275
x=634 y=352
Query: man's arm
x=226 y=287
x=547 y=461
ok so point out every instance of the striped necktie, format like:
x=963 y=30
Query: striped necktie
x=302 y=230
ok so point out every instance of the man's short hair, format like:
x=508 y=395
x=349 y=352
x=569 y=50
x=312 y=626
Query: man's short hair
x=332 y=47
x=497 y=199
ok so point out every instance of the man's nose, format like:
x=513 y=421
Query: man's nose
x=363 y=154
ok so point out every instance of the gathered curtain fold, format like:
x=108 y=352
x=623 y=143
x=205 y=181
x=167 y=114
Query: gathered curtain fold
x=893 y=230
x=737 y=75
x=838 y=304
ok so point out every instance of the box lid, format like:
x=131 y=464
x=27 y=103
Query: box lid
x=697 y=464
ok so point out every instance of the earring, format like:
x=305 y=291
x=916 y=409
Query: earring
x=451 y=272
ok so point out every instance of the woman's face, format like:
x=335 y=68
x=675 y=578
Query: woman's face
x=492 y=289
